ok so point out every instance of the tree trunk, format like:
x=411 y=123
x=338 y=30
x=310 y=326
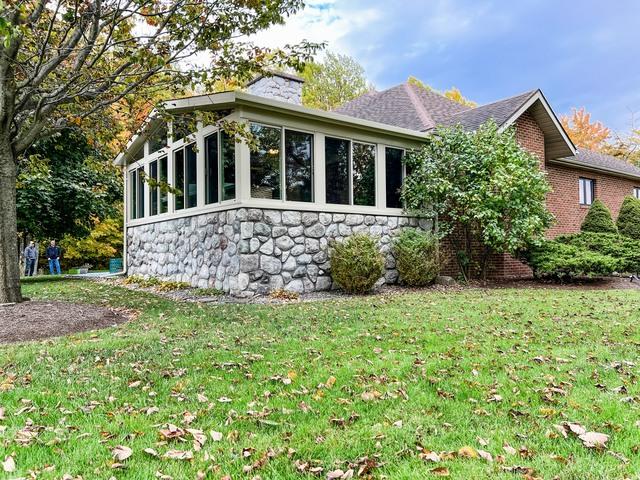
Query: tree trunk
x=9 y=255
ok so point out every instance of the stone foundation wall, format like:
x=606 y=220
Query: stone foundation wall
x=246 y=251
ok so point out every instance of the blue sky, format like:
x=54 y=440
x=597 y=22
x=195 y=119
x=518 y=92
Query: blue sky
x=580 y=53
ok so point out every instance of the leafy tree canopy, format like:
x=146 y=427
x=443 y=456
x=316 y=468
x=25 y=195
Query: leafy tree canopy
x=583 y=132
x=64 y=186
x=479 y=188
x=452 y=94
x=333 y=81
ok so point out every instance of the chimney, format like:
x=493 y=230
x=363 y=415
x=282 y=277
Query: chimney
x=278 y=86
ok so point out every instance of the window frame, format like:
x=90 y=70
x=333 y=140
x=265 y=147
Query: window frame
x=582 y=192
x=351 y=141
x=636 y=192
x=282 y=162
x=403 y=173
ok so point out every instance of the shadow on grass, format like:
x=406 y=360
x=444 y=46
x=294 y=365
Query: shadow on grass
x=47 y=279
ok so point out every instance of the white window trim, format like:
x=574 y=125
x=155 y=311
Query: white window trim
x=582 y=192
x=636 y=192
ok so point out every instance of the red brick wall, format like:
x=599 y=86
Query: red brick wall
x=564 y=200
x=530 y=136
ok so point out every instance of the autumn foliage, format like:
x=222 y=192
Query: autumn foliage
x=583 y=132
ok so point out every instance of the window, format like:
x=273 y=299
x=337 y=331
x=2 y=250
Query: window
x=178 y=178
x=138 y=155
x=587 y=191
x=185 y=177
x=350 y=172
x=211 y=161
x=153 y=190
x=228 y=156
x=163 y=177
x=219 y=167
x=136 y=194
x=636 y=192
x=298 y=166
x=191 y=176
x=265 y=162
x=393 y=170
x=336 y=154
x=158 y=139
x=182 y=126
x=133 y=194
x=364 y=174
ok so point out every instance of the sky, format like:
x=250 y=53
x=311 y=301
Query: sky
x=580 y=53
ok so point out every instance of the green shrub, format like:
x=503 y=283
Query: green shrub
x=598 y=219
x=416 y=254
x=625 y=250
x=629 y=218
x=356 y=263
x=559 y=260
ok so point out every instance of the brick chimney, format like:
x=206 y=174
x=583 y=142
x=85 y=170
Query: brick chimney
x=278 y=86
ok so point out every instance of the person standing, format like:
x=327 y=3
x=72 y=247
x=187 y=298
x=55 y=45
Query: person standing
x=53 y=255
x=30 y=256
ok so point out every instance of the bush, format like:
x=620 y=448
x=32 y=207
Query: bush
x=625 y=250
x=559 y=260
x=356 y=263
x=416 y=254
x=629 y=218
x=598 y=219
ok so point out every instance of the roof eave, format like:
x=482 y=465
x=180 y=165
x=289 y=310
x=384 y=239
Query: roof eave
x=564 y=147
x=572 y=162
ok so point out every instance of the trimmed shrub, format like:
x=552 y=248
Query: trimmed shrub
x=356 y=263
x=629 y=218
x=558 y=260
x=625 y=250
x=598 y=219
x=417 y=259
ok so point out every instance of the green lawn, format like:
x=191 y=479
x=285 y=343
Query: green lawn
x=371 y=382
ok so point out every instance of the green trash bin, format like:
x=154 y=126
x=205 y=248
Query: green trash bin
x=115 y=265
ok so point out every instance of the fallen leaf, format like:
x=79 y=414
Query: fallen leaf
x=216 y=436
x=485 y=455
x=121 y=453
x=594 y=439
x=179 y=454
x=440 y=471
x=9 y=464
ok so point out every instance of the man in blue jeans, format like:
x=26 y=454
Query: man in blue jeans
x=53 y=255
x=30 y=255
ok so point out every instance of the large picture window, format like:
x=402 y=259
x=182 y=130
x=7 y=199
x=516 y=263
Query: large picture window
x=350 y=172
x=298 y=165
x=191 y=176
x=393 y=170
x=337 y=173
x=587 y=190
x=265 y=162
x=211 y=161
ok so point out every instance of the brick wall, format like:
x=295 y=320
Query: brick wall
x=564 y=200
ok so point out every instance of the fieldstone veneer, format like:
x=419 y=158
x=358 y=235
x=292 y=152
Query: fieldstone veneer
x=246 y=251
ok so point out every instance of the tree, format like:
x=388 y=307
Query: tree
x=482 y=190
x=64 y=186
x=64 y=63
x=103 y=243
x=628 y=221
x=333 y=82
x=598 y=219
x=452 y=94
x=583 y=132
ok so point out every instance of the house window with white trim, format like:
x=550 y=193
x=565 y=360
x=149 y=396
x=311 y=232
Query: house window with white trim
x=350 y=172
x=587 y=190
x=219 y=168
x=153 y=188
x=636 y=192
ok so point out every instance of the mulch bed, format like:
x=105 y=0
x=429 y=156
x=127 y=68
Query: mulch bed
x=36 y=320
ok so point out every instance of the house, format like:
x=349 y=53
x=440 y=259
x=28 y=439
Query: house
x=244 y=220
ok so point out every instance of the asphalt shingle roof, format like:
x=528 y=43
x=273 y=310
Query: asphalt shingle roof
x=405 y=105
x=607 y=162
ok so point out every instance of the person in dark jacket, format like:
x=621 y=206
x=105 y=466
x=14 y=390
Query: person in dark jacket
x=53 y=255
x=30 y=256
